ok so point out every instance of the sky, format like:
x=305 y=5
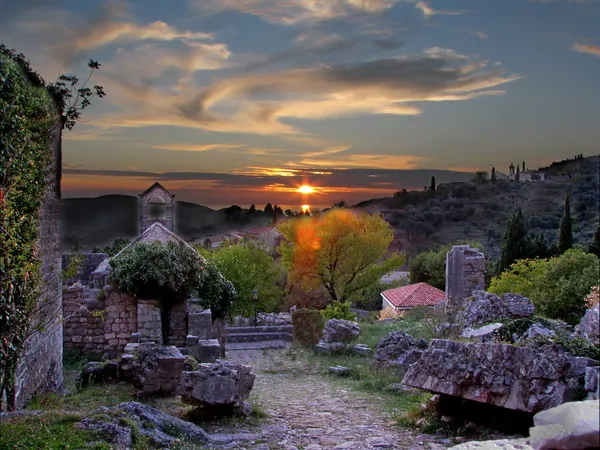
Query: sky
x=243 y=101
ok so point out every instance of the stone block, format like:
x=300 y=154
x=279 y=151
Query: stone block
x=205 y=351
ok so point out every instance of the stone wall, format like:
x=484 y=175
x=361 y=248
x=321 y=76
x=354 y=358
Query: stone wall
x=149 y=323
x=178 y=324
x=465 y=273
x=90 y=263
x=98 y=326
x=40 y=368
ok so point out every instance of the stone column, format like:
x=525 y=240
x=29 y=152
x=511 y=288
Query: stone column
x=465 y=273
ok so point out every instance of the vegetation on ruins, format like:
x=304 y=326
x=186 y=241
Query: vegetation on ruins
x=167 y=272
x=249 y=266
x=557 y=287
x=341 y=252
x=308 y=326
x=215 y=292
x=29 y=111
x=111 y=250
x=339 y=310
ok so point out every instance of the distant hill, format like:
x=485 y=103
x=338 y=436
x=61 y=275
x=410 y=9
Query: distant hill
x=90 y=222
x=480 y=209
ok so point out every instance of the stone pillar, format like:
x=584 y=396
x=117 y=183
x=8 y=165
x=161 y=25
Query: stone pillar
x=200 y=324
x=465 y=273
x=149 y=321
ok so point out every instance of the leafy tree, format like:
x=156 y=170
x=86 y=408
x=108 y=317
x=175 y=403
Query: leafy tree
x=269 y=209
x=339 y=251
x=249 y=266
x=430 y=267
x=538 y=247
x=215 y=292
x=277 y=211
x=340 y=204
x=558 y=287
x=514 y=242
x=252 y=210
x=565 y=232
x=594 y=247
x=233 y=212
x=481 y=177
x=111 y=250
x=370 y=297
x=493 y=176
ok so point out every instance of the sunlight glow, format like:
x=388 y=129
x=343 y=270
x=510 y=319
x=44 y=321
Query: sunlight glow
x=305 y=208
x=305 y=189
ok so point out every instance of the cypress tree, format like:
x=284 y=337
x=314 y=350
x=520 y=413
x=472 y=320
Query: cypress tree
x=493 y=176
x=433 y=185
x=514 y=243
x=594 y=247
x=565 y=232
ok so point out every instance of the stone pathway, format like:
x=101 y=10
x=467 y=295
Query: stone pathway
x=307 y=411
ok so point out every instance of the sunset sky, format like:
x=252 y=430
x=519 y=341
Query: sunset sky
x=242 y=101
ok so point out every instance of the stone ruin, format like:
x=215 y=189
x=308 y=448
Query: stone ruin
x=465 y=273
x=337 y=338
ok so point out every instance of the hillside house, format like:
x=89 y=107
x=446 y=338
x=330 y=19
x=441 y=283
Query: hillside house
x=405 y=298
x=270 y=237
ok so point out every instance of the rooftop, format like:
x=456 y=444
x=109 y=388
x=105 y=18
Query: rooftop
x=419 y=294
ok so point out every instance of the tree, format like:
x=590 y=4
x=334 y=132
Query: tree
x=233 y=212
x=340 y=204
x=523 y=166
x=248 y=267
x=268 y=209
x=432 y=187
x=558 y=287
x=565 y=232
x=493 y=177
x=339 y=251
x=277 y=211
x=517 y=176
x=594 y=247
x=481 y=177
x=252 y=210
x=514 y=242
x=538 y=247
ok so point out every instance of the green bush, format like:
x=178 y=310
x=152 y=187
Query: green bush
x=308 y=326
x=339 y=310
x=215 y=291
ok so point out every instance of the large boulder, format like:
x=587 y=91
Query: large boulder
x=398 y=350
x=592 y=382
x=528 y=379
x=154 y=369
x=339 y=330
x=486 y=333
x=589 y=327
x=484 y=307
x=222 y=387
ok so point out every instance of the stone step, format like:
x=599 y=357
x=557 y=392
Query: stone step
x=264 y=345
x=261 y=329
x=258 y=337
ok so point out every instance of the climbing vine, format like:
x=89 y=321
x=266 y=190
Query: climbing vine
x=30 y=113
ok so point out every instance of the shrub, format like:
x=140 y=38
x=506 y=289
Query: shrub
x=389 y=313
x=308 y=326
x=339 y=310
x=101 y=295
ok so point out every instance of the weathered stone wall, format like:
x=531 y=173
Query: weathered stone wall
x=93 y=326
x=149 y=323
x=465 y=273
x=40 y=368
x=166 y=198
x=178 y=324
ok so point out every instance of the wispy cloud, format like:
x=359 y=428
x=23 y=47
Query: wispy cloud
x=428 y=11
x=480 y=34
x=292 y=12
x=197 y=148
x=590 y=49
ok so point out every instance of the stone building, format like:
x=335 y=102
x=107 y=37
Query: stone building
x=157 y=205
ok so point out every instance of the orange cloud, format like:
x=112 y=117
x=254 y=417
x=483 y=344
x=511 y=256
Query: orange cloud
x=590 y=49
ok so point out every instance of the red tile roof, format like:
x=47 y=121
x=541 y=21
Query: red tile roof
x=261 y=230
x=420 y=294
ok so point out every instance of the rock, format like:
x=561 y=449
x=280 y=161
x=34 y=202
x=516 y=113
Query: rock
x=221 y=387
x=200 y=324
x=501 y=444
x=208 y=350
x=264 y=319
x=330 y=348
x=592 y=382
x=397 y=350
x=153 y=368
x=447 y=330
x=465 y=273
x=135 y=338
x=97 y=372
x=483 y=334
x=399 y=388
x=112 y=432
x=589 y=328
x=574 y=425
x=484 y=307
x=579 y=365
x=339 y=330
x=529 y=379
x=361 y=350
x=534 y=331
x=340 y=371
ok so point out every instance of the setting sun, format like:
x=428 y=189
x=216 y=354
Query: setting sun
x=305 y=208
x=306 y=189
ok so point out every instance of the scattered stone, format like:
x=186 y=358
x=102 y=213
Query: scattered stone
x=484 y=307
x=264 y=319
x=339 y=330
x=153 y=368
x=447 y=330
x=98 y=372
x=589 y=327
x=330 y=348
x=208 y=350
x=500 y=444
x=111 y=431
x=398 y=350
x=135 y=338
x=222 y=387
x=534 y=331
x=574 y=425
x=340 y=371
x=361 y=350
x=486 y=333
x=522 y=378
